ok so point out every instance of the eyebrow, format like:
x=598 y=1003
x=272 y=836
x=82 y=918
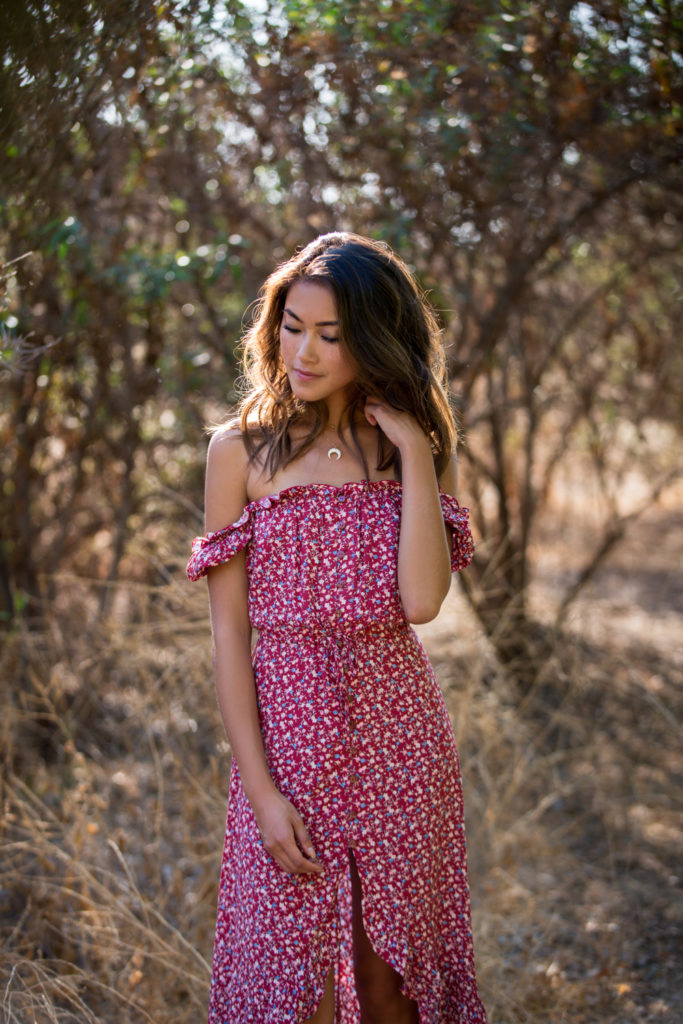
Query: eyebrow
x=320 y=323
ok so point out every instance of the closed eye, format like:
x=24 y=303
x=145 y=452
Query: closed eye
x=297 y=330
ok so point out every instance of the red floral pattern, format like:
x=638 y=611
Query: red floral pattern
x=358 y=737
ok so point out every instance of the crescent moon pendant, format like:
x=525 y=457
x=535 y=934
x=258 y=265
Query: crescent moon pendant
x=334 y=453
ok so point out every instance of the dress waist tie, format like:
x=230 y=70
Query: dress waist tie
x=340 y=642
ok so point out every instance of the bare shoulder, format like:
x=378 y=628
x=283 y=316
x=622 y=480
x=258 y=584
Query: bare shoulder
x=226 y=433
x=226 y=477
x=448 y=481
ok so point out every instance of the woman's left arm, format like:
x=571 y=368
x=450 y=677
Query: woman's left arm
x=424 y=572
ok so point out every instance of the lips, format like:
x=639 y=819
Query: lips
x=305 y=375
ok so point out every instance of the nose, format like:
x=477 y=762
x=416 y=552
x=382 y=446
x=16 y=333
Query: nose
x=307 y=351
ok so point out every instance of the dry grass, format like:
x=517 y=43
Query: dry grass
x=114 y=781
x=112 y=798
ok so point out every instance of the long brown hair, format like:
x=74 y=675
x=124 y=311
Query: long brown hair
x=385 y=325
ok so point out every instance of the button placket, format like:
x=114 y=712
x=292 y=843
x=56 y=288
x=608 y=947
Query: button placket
x=340 y=530
x=353 y=789
x=345 y=645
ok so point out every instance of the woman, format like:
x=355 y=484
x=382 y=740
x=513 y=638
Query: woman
x=343 y=893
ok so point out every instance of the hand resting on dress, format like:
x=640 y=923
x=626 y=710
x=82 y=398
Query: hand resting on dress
x=284 y=834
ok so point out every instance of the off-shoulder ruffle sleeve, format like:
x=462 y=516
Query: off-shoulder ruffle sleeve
x=458 y=519
x=219 y=546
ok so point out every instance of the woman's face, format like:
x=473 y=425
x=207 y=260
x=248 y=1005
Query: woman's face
x=317 y=366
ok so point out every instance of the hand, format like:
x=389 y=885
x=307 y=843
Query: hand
x=401 y=428
x=284 y=835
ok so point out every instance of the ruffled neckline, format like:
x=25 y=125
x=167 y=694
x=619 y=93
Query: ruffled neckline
x=239 y=533
x=292 y=492
x=295 y=489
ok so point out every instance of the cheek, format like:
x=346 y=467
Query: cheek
x=345 y=364
x=286 y=347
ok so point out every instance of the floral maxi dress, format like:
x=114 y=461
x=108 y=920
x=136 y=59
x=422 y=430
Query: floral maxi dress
x=358 y=737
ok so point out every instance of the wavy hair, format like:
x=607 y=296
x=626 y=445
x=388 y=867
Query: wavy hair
x=385 y=325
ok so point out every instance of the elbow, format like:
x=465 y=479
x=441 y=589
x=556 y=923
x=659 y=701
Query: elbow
x=421 y=611
x=423 y=605
x=419 y=618
x=422 y=602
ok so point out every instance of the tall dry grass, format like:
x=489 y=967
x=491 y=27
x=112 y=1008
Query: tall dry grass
x=113 y=795
x=114 y=770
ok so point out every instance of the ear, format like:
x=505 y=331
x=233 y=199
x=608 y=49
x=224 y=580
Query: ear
x=370 y=418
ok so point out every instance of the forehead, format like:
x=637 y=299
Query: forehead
x=311 y=300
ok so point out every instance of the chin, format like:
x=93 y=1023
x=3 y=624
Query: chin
x=310 y=391
x=306 y=392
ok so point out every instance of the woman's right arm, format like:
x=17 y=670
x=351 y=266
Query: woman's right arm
x=279 y=822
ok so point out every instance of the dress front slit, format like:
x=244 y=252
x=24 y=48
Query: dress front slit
x=358 y=737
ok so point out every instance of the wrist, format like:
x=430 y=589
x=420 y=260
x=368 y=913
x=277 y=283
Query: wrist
x=416 y=449
x=258 y=791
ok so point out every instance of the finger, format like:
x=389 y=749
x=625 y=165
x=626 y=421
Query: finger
x=306 y=862
x=293 y=861
x=288 y=856
x=303 y=839
x=308 y=867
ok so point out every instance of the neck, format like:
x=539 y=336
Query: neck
x=337 y=410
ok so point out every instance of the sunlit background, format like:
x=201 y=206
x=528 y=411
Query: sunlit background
x=157 y=160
